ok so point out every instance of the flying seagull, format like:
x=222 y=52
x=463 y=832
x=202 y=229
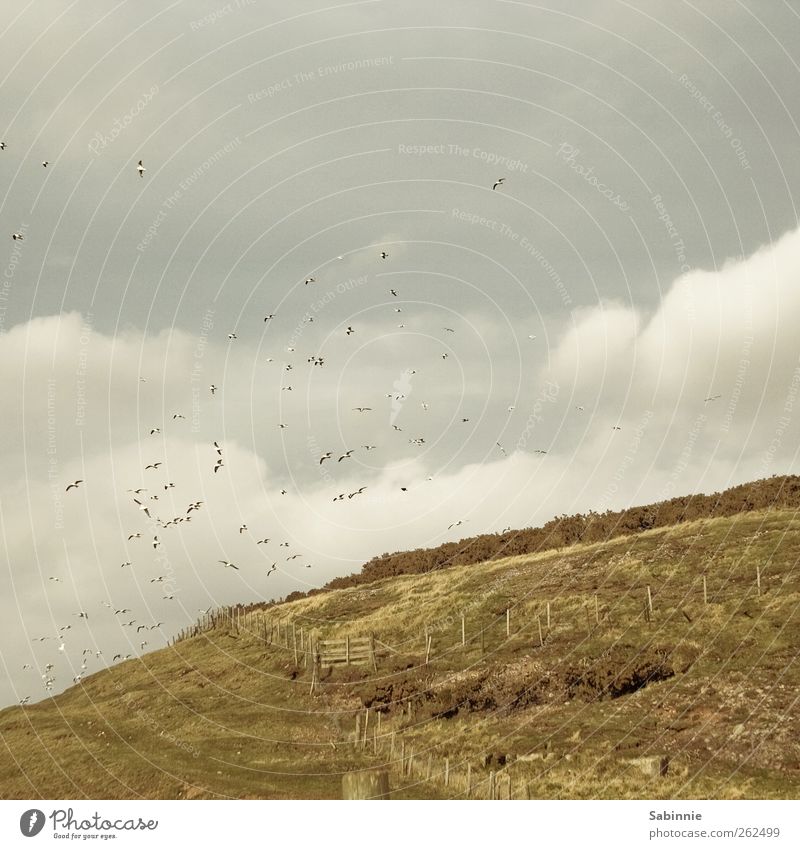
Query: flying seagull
x=73 y=485
x=498 y=182
x=228 y=565
x=140 y=168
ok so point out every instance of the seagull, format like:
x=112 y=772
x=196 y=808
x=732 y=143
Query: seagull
x=346 y=455
x=455 y=524
x=357 y=492
x=349 y=331
x=449 y=329
x=143 y=507
x=154 y=465
x=294 y=557
x=45 y=163
x=73 y=485
x=2 y=145
x=310 y=280
x=154 y=430
x=616 y=427
x=711 y=398
x=126 y=563
x=228 y=565
x=232 y=336
x=212 y=388
x=363 y=409
x=579 y=408
x=82 y=615
x=444 y=356
x=326 y=456
x=262 y=541
x=501 y=448
x=57 y=580
x=242 y=528
x=498 y=182
x=393 y=292
x=384 y=255
x=137 y=535
x=218 y=465
x=283 y=426
x=17 y=237
x=270 y=316
x=178 y=416
x=369 y=447
x=541 y=451
x=140 y=168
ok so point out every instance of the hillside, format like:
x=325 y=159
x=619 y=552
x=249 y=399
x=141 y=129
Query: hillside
x=709 y=682
x=778 y=491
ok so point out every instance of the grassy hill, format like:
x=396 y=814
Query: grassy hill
x=562 y=713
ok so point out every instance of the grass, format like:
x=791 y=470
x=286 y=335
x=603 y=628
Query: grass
x=223 y=715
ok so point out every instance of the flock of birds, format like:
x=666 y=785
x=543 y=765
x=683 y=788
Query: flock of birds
x=148 y=502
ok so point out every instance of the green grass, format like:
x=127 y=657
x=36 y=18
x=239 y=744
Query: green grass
x=223 y=715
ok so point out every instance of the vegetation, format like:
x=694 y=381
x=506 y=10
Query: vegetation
x=564 y=712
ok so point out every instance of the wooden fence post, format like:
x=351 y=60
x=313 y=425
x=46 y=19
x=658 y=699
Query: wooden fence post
x=508 y=622
x=758 y=578
x=492 y=787
x=428 y=649
x=649 y=600
x=548 y=615
x=705 y=590
x=447 y=772
x=347 y=651
x=463 y=631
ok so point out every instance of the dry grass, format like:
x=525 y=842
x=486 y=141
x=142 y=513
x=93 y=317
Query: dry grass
x=224 y=715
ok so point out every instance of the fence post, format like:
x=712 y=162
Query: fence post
x=548 y=615
x=705 y=590
x=508 y=622
x=447 y=772
x=758 y=578
x=428 y=648
x=347 y=651
x=649 y=600
x=492 y=788
x=463 y=631
x=469 y=780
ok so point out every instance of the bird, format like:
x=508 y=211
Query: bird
x=228 y=565
x=362 y=409
x=18 y=237
x=294 y=557
x=393 y=292
x=154 y=465
x=449 y=329
x=349 y=331
x=283 y=426
x=137 y=535
x=369 y=447
x=539 y=451
x=262 y=541
x=346 y=455
x=56 y=580
x=178 y=416
x=455 y=524
x=503 y=450
x=232 y=336
x=357 y=492
x=242 y=528
x=384 y=255
x=82 y=615
x=326 y=456
x=140 y=168
x=498 y=182
x=218 y=465
x=45 y=163
x=269 y=317
x=711 y=398
x=73 y=485
x=310 y=280
x=126 y=563
x=143 y=507
x=616 y=427
x=154 y=430
x=2 y=145
x=212 y=388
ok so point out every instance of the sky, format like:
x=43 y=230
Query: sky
x=552 y=248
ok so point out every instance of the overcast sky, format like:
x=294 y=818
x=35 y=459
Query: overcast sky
x=641 y=256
